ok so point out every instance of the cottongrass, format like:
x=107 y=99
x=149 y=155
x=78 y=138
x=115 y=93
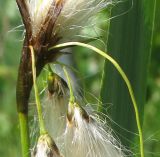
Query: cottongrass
x=74 y=15
x=77 y=131
x=81 y=134
x=85 y=136
x=46 y=147
x=54 y=115
x=55 y=107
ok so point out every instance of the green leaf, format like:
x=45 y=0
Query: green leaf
x=129 y=42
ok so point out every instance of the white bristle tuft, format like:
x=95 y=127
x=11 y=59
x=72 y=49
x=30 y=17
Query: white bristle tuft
x=38 y=11
x=89 y=139
x=74 y=16
x=45 y=147
x=54 y=109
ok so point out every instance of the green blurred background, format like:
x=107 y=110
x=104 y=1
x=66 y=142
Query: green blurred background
x=10 y=50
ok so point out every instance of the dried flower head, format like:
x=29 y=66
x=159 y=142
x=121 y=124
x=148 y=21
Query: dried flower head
x=48 y=22
x=57 y=87
x=64 y=18
x=55 y=106
x=46 y=147
x=86 y=137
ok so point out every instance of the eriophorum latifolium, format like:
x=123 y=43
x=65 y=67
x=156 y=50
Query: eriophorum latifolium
x=77 y=131
x=74 y=15
x=46 y=147
x=66 y=128
x=86 y=136
x=55 y=104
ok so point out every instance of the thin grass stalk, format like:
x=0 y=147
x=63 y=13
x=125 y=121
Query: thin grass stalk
x=38 y=103
x=129 y=42
x=125 y=79
x=72 y=98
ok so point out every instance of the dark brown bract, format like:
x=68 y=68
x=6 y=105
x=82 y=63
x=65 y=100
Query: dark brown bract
x=40 y=42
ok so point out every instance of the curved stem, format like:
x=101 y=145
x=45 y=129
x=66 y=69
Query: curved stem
x=126 y=80
x=72 y=98
x=38 y=103
x=49 y=68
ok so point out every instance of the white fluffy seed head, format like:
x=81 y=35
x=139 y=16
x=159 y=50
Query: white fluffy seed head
x=85 y=138
x=55 y=107
x=38 y=10
x=46 y=147
x=82 y=134
x=74 y=16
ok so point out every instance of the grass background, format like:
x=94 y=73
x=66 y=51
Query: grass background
x=10 y=50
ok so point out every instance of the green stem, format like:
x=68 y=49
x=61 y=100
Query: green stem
x=24 y=130
x=38 y=103
x=72 y=98
x=117 y=66
x=49 y=68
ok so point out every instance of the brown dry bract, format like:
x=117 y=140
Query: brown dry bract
x=40 y=43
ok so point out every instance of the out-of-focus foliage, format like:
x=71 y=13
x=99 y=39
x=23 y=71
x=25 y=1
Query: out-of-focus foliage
x=90 y=67
x=9 y=58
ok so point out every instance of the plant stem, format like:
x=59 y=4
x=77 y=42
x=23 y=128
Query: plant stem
x=38 y=103
x=72 y=98
x=24 y=130
x=126 y=80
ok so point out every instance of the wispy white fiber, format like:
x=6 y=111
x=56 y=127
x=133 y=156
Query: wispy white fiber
x=75 y=15
x=38 y=10
x=54 y=109
x=82 y=135
x=85 y=138
x=45 y=147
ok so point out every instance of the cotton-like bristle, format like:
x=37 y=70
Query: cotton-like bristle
x=85 y=138
x=75 y=15
x=38 y=11
x=55 y=109
x=55 y=106
x=46 y=147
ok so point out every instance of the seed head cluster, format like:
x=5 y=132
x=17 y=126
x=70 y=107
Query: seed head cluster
x=77 y=131
x=73 y=15
x=46 y=147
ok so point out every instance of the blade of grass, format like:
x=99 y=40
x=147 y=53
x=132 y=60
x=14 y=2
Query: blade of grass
x=129 y=42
